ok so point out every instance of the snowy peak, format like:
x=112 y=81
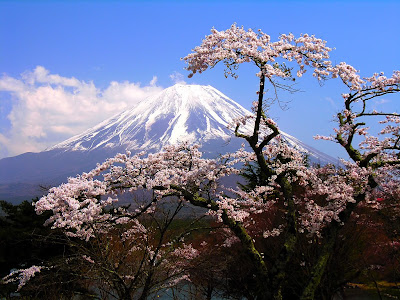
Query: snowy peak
x=191 y=113
x=181 y=113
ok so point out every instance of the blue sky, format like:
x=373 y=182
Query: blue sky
x=65 y=66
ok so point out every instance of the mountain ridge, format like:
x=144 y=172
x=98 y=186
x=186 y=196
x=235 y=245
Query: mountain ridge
x=209 y=110
x=181 y=113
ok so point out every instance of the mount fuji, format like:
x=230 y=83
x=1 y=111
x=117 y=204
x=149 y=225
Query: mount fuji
x=181 y=113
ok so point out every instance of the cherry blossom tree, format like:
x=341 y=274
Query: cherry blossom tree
x=127 y=259
x=297 y=202
x=327 y=196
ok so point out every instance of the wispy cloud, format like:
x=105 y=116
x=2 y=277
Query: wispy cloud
x=153 y=82
x=381 y=101
x=48 y=108
x=177 y=78
x=379 y=104
x=332 y=102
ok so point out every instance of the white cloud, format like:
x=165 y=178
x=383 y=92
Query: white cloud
x=177 y=78
x=48 y=108
x=381 y=101
x=42 y=75
x=382 y=104
x=332 y=102
x=153 y=82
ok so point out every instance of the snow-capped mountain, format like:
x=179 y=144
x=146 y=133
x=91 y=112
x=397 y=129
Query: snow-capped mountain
x=191 y=113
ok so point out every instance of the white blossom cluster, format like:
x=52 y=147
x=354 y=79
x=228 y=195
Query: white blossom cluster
x=82 y=205
x=236 y=45
x=22 y=275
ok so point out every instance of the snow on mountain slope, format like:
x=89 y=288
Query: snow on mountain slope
x=192 y=113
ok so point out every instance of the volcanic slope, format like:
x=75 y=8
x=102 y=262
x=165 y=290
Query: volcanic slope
x=181 y=113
